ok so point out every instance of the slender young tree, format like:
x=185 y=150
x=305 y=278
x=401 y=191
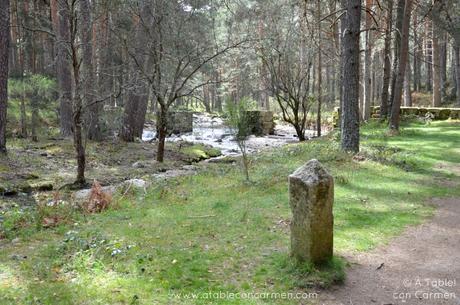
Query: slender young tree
x=4 y=53
x=350 y=78
x=404 y=54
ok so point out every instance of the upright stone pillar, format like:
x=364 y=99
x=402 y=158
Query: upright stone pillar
x=311 y=192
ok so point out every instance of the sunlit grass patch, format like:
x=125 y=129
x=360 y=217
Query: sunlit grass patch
x=213 y=232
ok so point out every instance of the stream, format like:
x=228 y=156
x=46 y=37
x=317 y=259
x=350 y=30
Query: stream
x=207 y=130
x=212 y=131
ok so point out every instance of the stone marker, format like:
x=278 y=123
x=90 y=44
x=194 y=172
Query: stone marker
x=311 y=192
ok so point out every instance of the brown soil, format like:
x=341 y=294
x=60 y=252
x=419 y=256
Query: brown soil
x=397 y=273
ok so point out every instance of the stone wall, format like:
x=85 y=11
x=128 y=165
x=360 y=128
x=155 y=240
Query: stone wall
x=179 y=122
x=261 y=122
x=438 y=113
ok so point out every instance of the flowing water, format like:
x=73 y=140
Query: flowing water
x=210 y=130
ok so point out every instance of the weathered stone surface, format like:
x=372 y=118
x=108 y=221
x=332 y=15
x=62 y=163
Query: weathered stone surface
x=144 y=164
x=83 y=195
x=260 y=122
x=438 y=113
x=311 y=192
x=136 y=183
x=179 y=122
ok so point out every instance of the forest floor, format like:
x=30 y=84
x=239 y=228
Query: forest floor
x=50 y=164
x=213 y=233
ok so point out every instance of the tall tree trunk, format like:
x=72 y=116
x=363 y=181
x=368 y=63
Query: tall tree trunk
x=141 y=113
x=14 y=60
x=454 y=71
x=218 y=104
x=320 y=89
x=443 y=62
x=35 y=118
x=404 y=53
x=457 y=68
x=407 y=91
x=162 y=117
x=77 y=103
x=4 y=54
x=207 y=98
x=343 y=28
x=368 y=64
x=23 y=118
x=397 y=46
x=91 y=112
x=350 y=79
x=63 y=66
x=428 y=57
x=436 y=102
x=416 y=63
x=135 y=107
x=263 y=92
x=387 y=62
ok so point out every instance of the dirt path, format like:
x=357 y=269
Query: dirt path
x=422 y=266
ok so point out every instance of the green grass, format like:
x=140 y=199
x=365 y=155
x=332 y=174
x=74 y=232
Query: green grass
x=214 y=233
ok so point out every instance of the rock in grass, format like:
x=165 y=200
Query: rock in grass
x=41 y=186
x=144 y=164
x=136 y=183
x=311 y=192
x=84 y=195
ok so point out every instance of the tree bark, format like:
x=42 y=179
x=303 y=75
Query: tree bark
x=77 y=111
x=350 y=79
x=92 y=110
x=23 y=118
x=320 y=89
x=63 y=67
x=387 y=62
x=417 y=57
x=368 y=64
x=457 y=68
x=436 y=65
x=161 y=130
x=34 y=106
x=397 y=47
x=135 y=107
x=454 y=71
x=428 y=57
x=404 y=53
x=407 y=90
x=4 y=58
x=443 y=63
